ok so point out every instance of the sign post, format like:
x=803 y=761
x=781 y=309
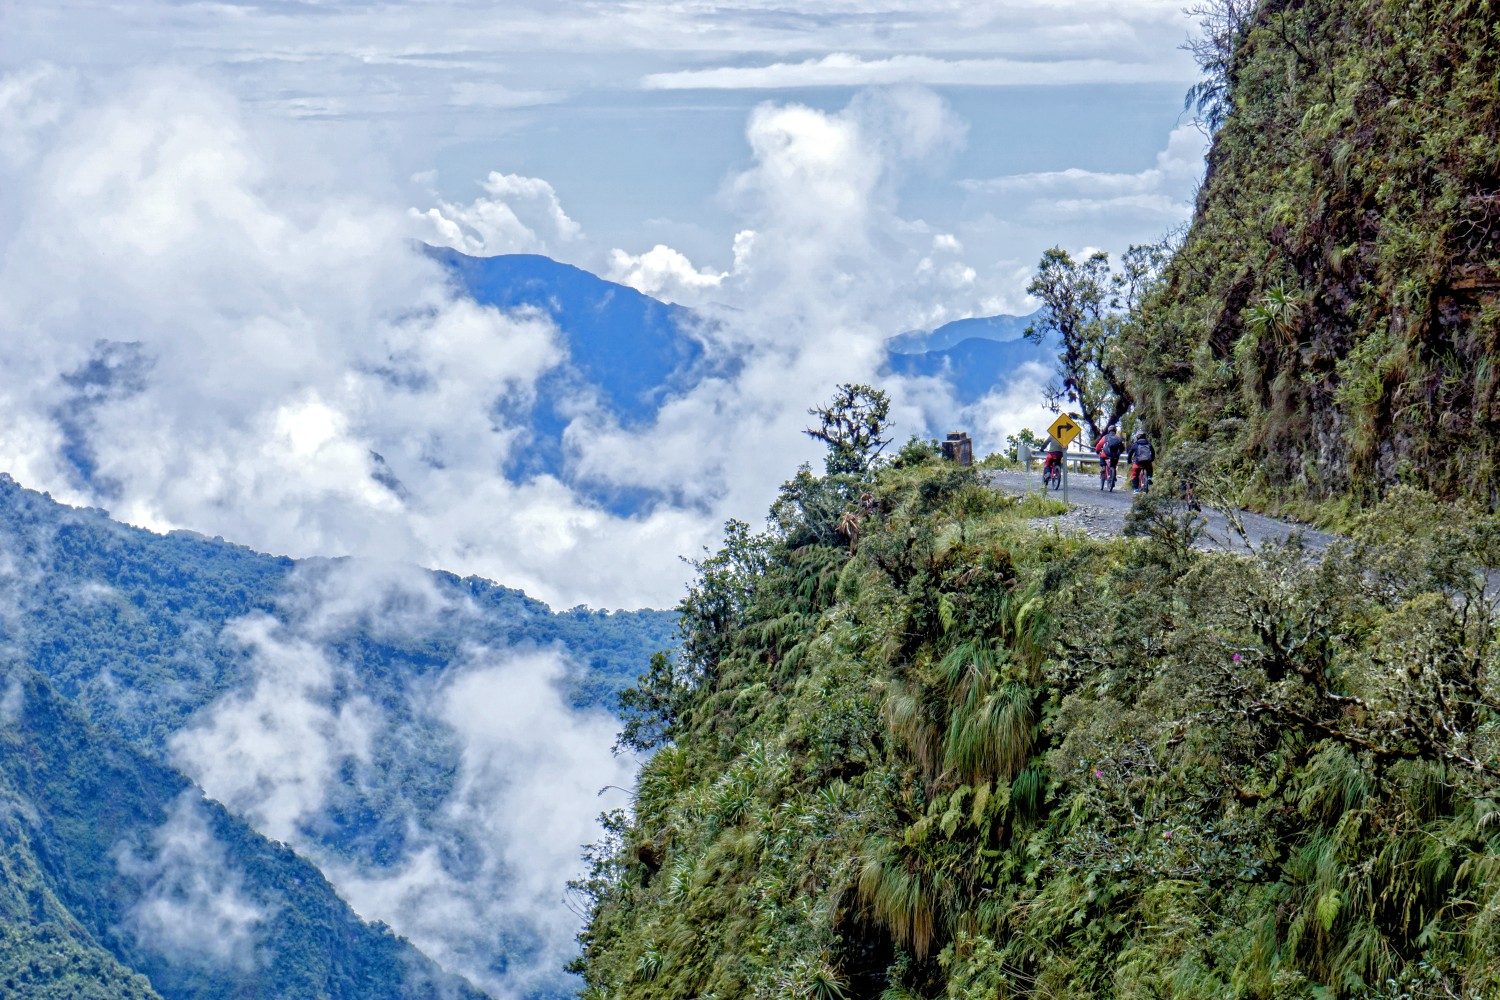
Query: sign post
x=1065 y=429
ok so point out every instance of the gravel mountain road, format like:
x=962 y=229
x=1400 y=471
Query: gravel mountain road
x=1102 y=514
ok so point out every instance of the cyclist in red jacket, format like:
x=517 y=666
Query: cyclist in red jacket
x=1109 y=447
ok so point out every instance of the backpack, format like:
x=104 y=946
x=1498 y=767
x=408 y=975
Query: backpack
x=1144 y=452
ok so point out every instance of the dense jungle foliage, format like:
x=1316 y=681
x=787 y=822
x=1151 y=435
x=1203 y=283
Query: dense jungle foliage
x=939 y=750
x=1331 y=323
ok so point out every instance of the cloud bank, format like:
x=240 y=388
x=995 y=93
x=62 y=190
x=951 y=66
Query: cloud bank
x=1161 y=193
x=205 y=328
x=491 y=867
x=514 y=215
x=272 y=752
x=397 y=61
x=193 y=908
x=475 y=877
x=197 y=336
x=843 y=69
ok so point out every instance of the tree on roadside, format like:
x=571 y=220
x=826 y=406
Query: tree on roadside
x=853 y=424
x=1085 y=306
x=1076 y=302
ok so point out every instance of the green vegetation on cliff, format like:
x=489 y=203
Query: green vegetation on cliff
x=1331 y=323
x=976 y=758
x=915 y=744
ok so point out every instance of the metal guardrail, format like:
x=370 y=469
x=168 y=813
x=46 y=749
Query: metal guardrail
x=1026 y=456
x=1086 y=461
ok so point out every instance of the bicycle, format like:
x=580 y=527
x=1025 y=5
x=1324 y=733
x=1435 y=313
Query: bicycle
x=1052 y=474
x=1140 y=477
x=1109 y=471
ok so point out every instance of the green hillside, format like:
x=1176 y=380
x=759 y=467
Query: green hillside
x=1332 y=321
x=131 y=636
x=980 y=759
x=919 y=744
x=113 y=863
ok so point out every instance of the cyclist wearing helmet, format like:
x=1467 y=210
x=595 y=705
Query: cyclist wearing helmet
x=1109 y=447
x=1142 y=462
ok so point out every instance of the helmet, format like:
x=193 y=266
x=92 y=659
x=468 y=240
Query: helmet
x=1140 y=435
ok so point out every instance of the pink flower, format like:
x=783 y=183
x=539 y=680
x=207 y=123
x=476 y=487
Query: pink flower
x=1236 y=657
x=1099 y=773
x=1167 y=835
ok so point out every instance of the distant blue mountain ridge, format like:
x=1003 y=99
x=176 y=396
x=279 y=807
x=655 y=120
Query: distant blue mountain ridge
x=632 y=352
x=997 y=328
x=973 y=367
x=626 y=350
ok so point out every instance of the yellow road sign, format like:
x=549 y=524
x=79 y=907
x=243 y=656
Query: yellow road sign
x=1065 y=429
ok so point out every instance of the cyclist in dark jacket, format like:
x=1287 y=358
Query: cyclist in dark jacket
x=1142 y=462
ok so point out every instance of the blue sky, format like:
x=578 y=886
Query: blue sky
x=215 y=199
x=637 y=168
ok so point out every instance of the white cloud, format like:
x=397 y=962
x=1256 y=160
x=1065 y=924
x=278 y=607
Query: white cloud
x=484 y=94
x=271 y=752
x=401 y=57
x=843 y=69
x=525 y=803
x=824 y=271
x=1010 y=408
x=12 y=702
x=664 y=273
x=480 y=882
x=1161 y=191
x=376 y=598
x=193 y=908
x=311 y=384
x=515 y=215
x=31 y=102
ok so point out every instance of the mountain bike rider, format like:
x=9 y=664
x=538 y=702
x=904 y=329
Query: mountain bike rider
x=1142 y=461
x=1109 y=448
x=1055 y=452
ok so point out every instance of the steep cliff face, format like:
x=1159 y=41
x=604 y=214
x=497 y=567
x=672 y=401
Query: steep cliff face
x=1332 y=321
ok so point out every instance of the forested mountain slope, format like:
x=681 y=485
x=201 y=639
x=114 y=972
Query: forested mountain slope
x=1332 y=321
x=917 y=745
x=311 y=698
x=113 y=863
x=973 y=758
x=106 y=610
